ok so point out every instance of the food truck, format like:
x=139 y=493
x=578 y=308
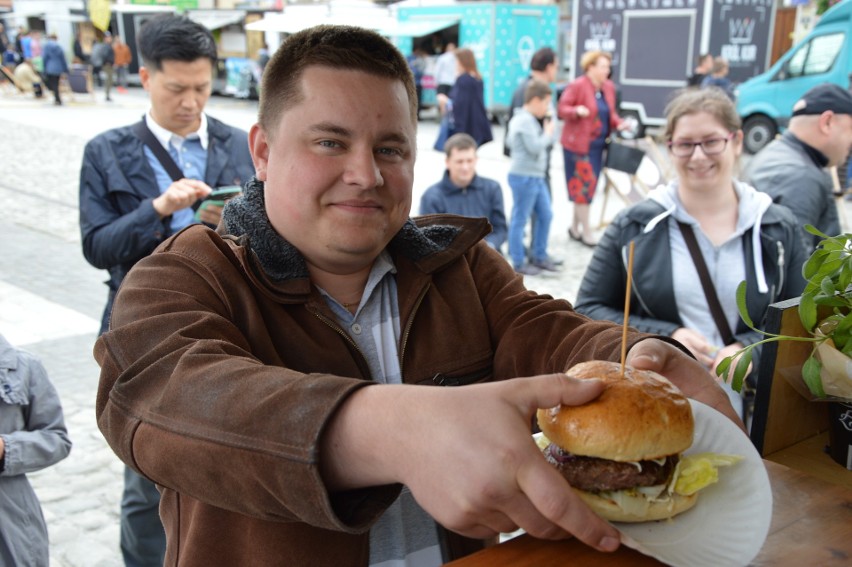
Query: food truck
x=502 y=35
x=655 y=44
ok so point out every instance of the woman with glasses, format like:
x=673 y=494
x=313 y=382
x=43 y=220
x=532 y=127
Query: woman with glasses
x=739 y=234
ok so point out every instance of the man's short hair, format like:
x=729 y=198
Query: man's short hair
x=460 y=141
x=542 y=58
x=168 y=37
x=336 y=47
x=536 y=89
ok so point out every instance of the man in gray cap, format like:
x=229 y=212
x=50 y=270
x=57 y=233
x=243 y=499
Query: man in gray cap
x=792 y=169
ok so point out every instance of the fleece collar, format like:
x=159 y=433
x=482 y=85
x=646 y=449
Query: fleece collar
x=245 y=216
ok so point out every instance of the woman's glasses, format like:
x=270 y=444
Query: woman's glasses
x=710 y=147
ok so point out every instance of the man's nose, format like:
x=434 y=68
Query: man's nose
x=362 y=170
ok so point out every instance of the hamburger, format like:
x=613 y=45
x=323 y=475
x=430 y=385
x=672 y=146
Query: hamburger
x=621 y=452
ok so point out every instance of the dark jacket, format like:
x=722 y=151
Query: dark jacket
x=469 y=115
x=578 y=132
x=53 y=59
x=118 y=223
x=482 y=198
x=786 y=171
x=224 y=365
x=653 y=308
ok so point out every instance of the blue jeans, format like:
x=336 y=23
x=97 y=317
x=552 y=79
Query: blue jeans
x=143 y=539
x=529 y=194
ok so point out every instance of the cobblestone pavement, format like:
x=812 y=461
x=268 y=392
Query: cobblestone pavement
x=51 y=299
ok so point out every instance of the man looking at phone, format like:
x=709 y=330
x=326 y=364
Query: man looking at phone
x=131 y=199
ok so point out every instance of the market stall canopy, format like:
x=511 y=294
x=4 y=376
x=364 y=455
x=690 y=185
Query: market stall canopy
x=215 y=19
x=385 y=24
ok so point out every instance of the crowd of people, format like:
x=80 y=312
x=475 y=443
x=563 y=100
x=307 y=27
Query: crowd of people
x=36 y=61
x=269 y=365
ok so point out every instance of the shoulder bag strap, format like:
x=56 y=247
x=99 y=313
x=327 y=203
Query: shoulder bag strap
x=144 y=133
x=709 y=290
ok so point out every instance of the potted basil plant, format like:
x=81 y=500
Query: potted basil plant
x=828 y=370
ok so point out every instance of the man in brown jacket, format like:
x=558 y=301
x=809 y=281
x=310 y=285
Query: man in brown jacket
x=277 y=378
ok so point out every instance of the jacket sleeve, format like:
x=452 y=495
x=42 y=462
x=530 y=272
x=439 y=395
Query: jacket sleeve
x=430 y=202
x=44 y=440
x=601 y=294
x=566 y=109
x=113 y=235
x=264 y=418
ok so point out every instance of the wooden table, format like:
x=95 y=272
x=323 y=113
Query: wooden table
x=811 y=525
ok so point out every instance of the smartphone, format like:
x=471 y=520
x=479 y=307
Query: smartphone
x=218 y=197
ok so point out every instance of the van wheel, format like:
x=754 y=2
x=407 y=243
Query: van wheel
x=758 y=130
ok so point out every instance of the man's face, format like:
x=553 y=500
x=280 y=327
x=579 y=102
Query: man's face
x=339 y=167
x=462 y=166
x=840 y=139
x=551 y=70
x=178 y=93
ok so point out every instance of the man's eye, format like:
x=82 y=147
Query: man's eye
x=390 y=151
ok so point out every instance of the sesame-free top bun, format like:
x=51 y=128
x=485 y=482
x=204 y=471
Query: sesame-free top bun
x=641 y=416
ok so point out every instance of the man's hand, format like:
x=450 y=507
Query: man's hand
x=180 y=195
x=210 y=214
x=694 y=380
x=467 y=455
x=697 y=345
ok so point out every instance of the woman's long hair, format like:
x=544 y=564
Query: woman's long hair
x=468 y=61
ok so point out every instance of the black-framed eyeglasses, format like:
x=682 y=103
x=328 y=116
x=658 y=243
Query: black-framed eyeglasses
x=711 y=147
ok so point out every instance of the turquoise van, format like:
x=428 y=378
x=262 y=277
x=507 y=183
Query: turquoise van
x=765 y=102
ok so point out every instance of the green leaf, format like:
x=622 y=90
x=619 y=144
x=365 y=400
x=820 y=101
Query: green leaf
x=816 y=232
x=807 y=312
x=741 y=304
x=741 y=370
x=811 y=374
x=722 y=368
x=826 y=286
x=813 y=265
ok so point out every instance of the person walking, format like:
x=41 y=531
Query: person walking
x=104 y=55
x=446 y=69
x=588 y=108
x=468 y=99
x=718 y=77
x=123 y=58
x=138 y=186
x=55 y=65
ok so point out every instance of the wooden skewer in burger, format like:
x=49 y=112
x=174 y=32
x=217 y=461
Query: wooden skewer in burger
x=622 y=451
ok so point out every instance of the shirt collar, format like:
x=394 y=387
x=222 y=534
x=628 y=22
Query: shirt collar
x=166 y=137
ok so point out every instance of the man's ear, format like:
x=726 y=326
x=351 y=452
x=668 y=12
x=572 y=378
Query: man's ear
x=826 y=119
x=259 y=148
x=144 y=77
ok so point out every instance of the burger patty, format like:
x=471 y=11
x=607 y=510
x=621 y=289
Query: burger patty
x=594 y=475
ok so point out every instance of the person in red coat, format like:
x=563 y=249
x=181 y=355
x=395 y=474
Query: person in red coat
x=588 y=108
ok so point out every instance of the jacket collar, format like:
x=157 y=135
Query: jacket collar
x=429 y=243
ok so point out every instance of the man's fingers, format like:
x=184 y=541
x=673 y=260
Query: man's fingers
x=555 y=389
x=559 y=504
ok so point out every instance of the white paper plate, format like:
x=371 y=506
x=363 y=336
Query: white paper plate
x=730 y=522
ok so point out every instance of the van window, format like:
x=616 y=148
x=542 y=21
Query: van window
x=816 y=56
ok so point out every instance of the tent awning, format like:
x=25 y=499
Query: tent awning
x=215 y=19
x=383 y=25
x=417 y=27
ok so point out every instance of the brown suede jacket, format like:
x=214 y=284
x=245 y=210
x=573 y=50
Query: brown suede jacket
x=224 y=365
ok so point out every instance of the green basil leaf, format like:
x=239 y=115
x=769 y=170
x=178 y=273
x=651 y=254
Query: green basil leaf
x=807 y=312
x=740 y=371
x=741 y=304
x=811 y=374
